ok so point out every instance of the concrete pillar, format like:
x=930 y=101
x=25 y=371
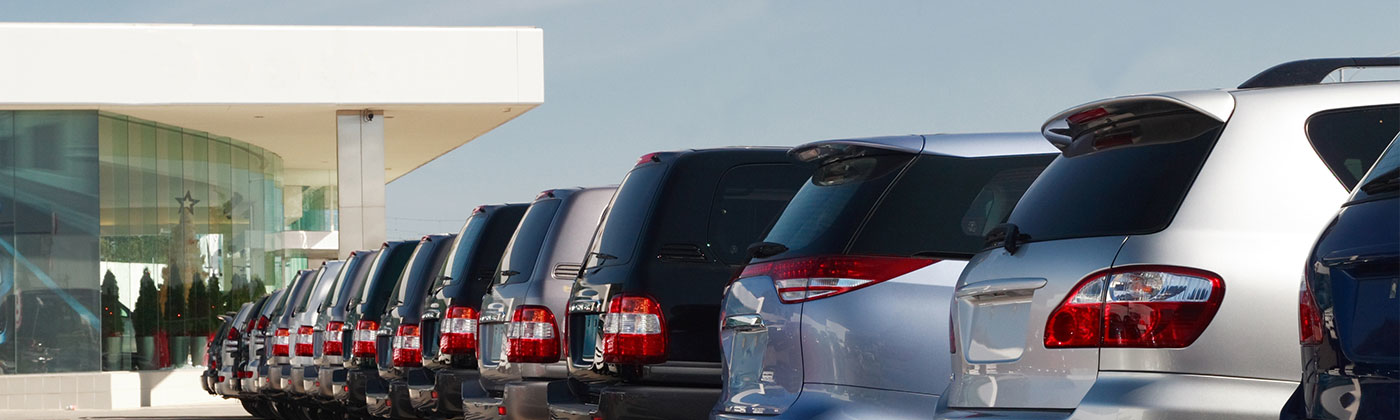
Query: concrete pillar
x=360 y=171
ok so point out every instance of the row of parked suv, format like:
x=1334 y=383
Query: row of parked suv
x=1147 y=256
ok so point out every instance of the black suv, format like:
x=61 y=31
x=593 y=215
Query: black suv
x=641 y=324
x=399 y=344
x=451 y=308
x=365 y=309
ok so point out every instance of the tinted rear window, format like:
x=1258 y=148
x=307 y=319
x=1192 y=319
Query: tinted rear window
x=1348 y=140
x=939 y=205
x=1384 y=178
x=524 y=248
x=1123 y=190
x=748 y=200
x=621 y=225
x=945 y=205
x=824 y=215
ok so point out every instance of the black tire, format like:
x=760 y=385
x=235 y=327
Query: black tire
x=252 y=408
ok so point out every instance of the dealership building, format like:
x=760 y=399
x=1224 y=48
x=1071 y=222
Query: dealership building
x=198 y=157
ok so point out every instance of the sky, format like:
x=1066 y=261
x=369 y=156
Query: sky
x=626 y=78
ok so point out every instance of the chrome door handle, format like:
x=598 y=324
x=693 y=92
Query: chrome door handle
x=1000 y=287
x=751 y=322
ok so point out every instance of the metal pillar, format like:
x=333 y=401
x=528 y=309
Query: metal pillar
x=360 y=172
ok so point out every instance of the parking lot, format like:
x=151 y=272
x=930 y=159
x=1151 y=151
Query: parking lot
x=221 y=410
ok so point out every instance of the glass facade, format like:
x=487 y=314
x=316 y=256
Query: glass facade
x=133 y=236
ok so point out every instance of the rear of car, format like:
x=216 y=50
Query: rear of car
x=1349 y=316
x=521 y=336
x=842 y=311
x=212 y=358
x=254 y=343
x=331 y=328
x=399 y=341
x=224 y=356
x=277 y=367
x=365 y=311
x=452 y=309
x=641 y=339
x=305 y=339
x=1143 y=273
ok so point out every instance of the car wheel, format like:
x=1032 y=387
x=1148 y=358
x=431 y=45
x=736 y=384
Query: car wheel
x=252 y=408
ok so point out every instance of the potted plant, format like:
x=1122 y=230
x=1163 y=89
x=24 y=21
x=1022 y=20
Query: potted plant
x=197 y=322
x=146 y=320
x=175 y=322
x=112 y=330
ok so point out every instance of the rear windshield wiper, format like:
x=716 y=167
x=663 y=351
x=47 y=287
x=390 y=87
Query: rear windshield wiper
x=1008 y=236
x=508 y=273
x=1386 y=182
x=766 y=249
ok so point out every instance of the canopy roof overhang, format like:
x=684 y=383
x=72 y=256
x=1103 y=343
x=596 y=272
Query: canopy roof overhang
x=279 y=87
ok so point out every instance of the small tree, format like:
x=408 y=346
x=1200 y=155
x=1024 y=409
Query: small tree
x=146 y=319
x=258 y=289
x=197 y=321
x=217 y=305
x=111 y=306
x=175 y=308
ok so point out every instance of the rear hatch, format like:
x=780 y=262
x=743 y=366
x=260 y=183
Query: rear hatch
x=400 y=341
x=465 y=277
x=675 y=232
x=367 y=303
x=876 y=210
x=1126 y=166
x=517 y=264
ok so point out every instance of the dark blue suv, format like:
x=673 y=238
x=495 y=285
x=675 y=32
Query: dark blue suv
x=1349 y=313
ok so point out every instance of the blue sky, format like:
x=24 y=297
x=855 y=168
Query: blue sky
x=625 y=78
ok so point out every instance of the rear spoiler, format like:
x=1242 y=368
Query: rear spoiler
x=1099 y=117
x=822 y=150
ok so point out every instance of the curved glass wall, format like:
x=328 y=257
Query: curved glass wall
x=186 y=233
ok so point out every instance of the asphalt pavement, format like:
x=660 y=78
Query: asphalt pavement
x=221 y=410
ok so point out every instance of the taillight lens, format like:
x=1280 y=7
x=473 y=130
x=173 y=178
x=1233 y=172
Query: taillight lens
x=281 y=342
x=1137 y=306
x=262 y=323
x=532 y=335
x=232 y=334
x=459 y=331
x=306 y=341
x=1309 y=316
x=634 y=331
x=364 y=339
x=804 y=279
x=331 y=344
x=408 y=350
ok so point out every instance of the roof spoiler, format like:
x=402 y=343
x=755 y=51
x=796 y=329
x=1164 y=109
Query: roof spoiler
x=1312 y=71
x=1136 y=120
x=824 y=149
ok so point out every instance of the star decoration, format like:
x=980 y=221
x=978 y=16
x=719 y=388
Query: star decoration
x=187 y=202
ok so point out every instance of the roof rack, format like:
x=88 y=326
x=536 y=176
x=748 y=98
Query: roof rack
x=1312 y=71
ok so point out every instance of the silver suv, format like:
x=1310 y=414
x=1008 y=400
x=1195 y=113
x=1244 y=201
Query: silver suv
x=1152 y=270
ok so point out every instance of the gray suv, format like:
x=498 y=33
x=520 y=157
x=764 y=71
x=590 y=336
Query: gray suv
x=842 y=312
x=1152 y=270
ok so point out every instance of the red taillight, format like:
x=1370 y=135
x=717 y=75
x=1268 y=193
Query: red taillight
x=532 y=335
x=1086 y=116
x=232 y=334
x=331 y=344
x=243 y=374
x=1309 y=317
x=363 y=345
x=221 y=378
x=281 y=342
x=459 y=331
x=1137 y=306
x=810 y=278
x=262 y=323
x=648 y=158
x=306 y=341
x=479 y=210
x=408 y=350
x=634 y=331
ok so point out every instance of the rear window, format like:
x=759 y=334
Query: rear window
x=824 y=215
x=524 y=249
x=1384 y=178
x=1126 y=178
x=1348 y=140
x=310 y=289
x=748 y=200
x=621 y=224
x=939 y=205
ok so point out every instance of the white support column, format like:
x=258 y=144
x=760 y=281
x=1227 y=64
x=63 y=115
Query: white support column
x=360 y=171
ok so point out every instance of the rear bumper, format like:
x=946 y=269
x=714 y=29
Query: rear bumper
x=652 y=402
x=303 y=380
x=843 y=401
x=331 y=383
x=531 y=399
x=1141 y=395
x=442 y=393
